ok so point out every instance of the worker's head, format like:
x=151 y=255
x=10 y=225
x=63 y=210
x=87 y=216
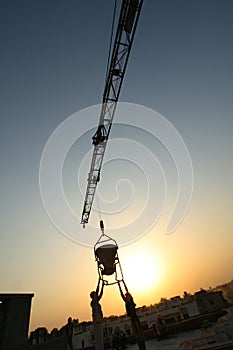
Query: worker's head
x=128 y=296
x=93 y=294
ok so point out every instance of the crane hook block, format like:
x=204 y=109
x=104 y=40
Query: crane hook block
x=101 y=225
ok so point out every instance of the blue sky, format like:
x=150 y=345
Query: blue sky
x=53 y=62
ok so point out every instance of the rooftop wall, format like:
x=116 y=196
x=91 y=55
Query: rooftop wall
x=14 y=320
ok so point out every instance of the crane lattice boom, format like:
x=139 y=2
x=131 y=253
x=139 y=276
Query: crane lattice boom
x=128 y=19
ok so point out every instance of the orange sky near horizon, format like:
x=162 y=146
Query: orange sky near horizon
x=186 y=260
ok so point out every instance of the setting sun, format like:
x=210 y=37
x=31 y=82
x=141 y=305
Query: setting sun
x=141 y=271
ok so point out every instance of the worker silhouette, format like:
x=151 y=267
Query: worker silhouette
x=132 y=314
x=69 y=333
x=118 y=339
x=97 y=316
x=162 y=327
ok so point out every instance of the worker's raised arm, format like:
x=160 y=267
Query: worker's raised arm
x=99 y=292
x=121 y=292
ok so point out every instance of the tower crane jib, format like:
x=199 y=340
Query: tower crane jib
x=127 y=23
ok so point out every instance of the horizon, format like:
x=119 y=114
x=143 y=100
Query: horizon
x=142 y=306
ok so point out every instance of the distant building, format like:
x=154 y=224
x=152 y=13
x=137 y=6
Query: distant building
x=178 y=309
x=83 y=340
x=227 y=289
x=210 y=301
x=219 y=335
x=38 y=336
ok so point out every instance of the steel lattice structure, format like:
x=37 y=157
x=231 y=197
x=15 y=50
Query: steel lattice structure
x=127 y=23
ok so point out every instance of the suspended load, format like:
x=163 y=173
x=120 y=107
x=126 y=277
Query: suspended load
x=106 y=256
x=107 y=259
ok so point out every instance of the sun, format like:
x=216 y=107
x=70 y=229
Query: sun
x=141 y=271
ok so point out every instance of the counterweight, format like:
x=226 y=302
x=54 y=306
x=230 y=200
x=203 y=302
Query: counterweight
x=127 y=23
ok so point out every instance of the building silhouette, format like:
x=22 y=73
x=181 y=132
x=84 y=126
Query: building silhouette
x=14 y=320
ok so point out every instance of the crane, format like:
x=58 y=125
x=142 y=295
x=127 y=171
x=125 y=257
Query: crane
x=127 y=23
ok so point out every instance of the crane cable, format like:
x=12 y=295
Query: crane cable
x=98 y=205
x=108 y=63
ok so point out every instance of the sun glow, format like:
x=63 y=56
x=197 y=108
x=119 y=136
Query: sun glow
x=141 y=271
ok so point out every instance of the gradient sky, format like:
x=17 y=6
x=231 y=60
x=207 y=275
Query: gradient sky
x=53 y=61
